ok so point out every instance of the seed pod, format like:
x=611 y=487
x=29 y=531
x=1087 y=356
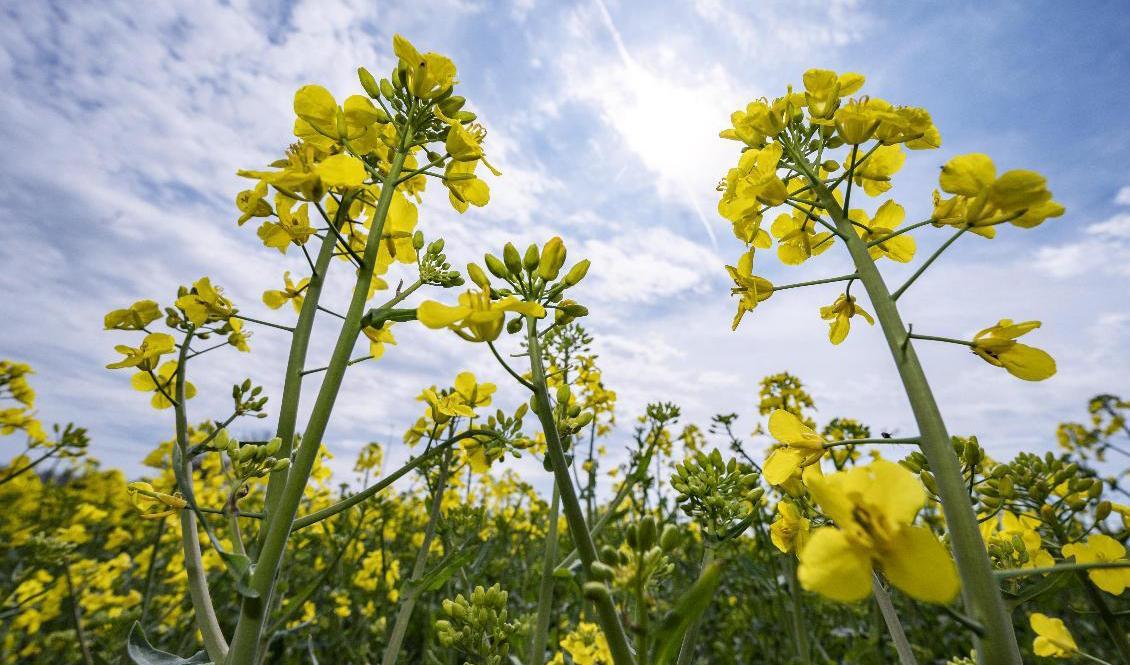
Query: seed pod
x=929 y=481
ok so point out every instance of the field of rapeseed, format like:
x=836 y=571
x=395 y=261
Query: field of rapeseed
x=844 y=544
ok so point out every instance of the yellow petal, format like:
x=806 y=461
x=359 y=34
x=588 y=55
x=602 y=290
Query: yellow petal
x=341 y=171
x=1027 y=362
x=832 y=567
x=437 y=315
x=920 y=566
x=781 y=464
x=968 y=175
x=788 y=429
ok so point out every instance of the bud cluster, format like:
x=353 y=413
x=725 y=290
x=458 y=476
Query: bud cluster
x=641 y=559
x=248 y=400
x=250 y=460
x=718 y=494
x=477 y=627
x=505 y=434
x=433 y=265
x=535 y=276
x=1051 y=486
x=970 y=455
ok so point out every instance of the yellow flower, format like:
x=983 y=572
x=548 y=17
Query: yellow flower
x=292 y=292
x=982 y=199
x=237 y=337
x=317 y=122
x=823 y=89
x=251 y=203
x=587 y=645
x=887 y=219
x=874 y=174
x=797 y=238
x=857 y=121
x=146 y=356
x=1009 y=525
x=753 y=183
x=473 y=393
x=790 y=530
x=428 y=75
x=802 y=447
x=997 y=345
x=840 y=313
x=151 y=503
x=163 y=387
x=464 y=188
x=1052 y=637
x=135 y=317
x=444 y=407
x=750 y=287
x=378 y=337
x=205 y=303
x=873 y=508
x=396 y=237
x=476 y=318
x=1100 y=548
x=293 y=225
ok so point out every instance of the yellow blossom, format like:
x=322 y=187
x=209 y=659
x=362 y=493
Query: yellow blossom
x=873 y=508
x=378 y=337
x=823 y=89
x=291 y=292
x=153 y=504
x=135 y=317
x=997 y=345
x=1101 y=548
x=750 y=287
x=293 y=226
x=1053 y=640
x=797 y=238
x=428 y=74
x=874 y=173
x=790 y=530
x=587 y=645
x=146 y=356
x=981 y=199
x=802 y=447
x=840 y=313
x=476 y=318
x=205 y=303
x=162 y=384
x=753 y=183
x=886 y=221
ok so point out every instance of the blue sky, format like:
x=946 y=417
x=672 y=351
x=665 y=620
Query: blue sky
x=124 y=124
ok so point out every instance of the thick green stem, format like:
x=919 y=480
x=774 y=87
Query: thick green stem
x=296 y=361
x=411 y=589
x=894 y=626
x=245 y=643
x=982 y=596
x=574 y=514
x=686 y=649
x=545 y=588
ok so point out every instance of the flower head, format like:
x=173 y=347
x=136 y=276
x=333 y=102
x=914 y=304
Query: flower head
x=476 y=318
x=750 y=287
x=1101 y=548
x=801 y=447
x=873 y=508
x=840 y=313
x=1052 y=637
x=997 y=345
x=146 y=356
x=790 y=531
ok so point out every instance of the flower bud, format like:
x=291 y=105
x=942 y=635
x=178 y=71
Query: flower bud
x=280 y=464
x=511 y=258
x=577 y=273
x=514 y=326
x=531 y=258
x=1103 y=510
x=387 y=90
x=596 y=591
x=368 y=83
x=273 y=446
x=647 y=532
x=669 y=539
x=552 y=258
x=601 y=572
x=451 y=105
x=418 y=240
x=478 y=276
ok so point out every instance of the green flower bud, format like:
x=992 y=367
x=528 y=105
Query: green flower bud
x=596 y=591
x=669 y=539
x=577 y=273
x=368 y=83
x=451 y=105
x=647 y=532
x=496 y=267
x=511 y=258
x=280 y=464
x=601 y=572
x=418 y=240
x=531 y=258
x=478 y=276
x=514 y=326
x=387 y=91
x=552 y=258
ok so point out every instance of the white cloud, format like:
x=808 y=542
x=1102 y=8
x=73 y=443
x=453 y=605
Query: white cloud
x=1104 y=250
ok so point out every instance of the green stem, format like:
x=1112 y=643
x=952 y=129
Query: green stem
x=198 y=591
x=545 y=588
x=30 y=465
x=894 y=625
x=828 y=280
x=934 y=338
x=353 y=500
x=982 y=596
x=1059 y=568
x=686 y=649
x=299 y=344
x=859 y=442
x=926 y=264
x=151 y=571
x=245 y=644
x=800 y=631
x=76 y=615
x=574 y=515
x=411 y=591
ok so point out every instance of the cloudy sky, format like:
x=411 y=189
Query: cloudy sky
x=124 y=124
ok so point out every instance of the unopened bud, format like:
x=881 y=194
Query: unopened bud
x=552 y=258
x=511 y=258
x=577 y=273
x=478 y=276
x=531 y=258
x=368 y=83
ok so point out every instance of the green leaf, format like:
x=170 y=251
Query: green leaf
x=141 y=652
x=239 y=565
x=442 y=571
x=685 y=613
